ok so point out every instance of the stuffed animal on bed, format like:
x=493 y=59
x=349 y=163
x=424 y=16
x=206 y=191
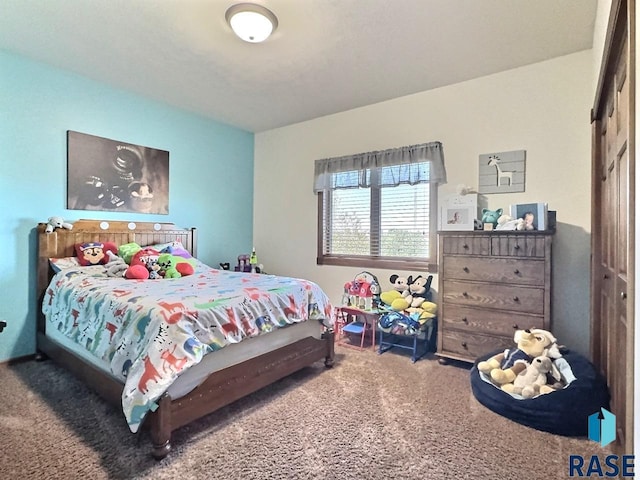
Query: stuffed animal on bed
x=173 y=266
x=142 y=264
x=116 y=266
x=504 y=367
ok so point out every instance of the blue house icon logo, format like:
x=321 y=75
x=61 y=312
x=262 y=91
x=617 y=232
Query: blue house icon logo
x=602 y=427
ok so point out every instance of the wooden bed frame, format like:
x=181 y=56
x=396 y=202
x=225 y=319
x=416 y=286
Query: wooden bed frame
x=221 y=388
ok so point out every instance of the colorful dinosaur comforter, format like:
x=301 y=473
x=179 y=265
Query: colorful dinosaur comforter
x=148 y=331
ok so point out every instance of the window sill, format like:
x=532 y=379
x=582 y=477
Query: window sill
x=406 y=264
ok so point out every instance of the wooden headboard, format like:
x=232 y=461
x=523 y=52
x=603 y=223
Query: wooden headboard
x=61 y=243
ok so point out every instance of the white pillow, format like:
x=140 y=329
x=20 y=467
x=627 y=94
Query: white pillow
x=59 y=264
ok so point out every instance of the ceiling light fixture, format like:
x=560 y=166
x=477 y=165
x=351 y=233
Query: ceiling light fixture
x=252 y=23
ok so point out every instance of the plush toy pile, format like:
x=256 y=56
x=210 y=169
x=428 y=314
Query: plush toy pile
x=528 y=369
x=409 y=305
x=142 y=263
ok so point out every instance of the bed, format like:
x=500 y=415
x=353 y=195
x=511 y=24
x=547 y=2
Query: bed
x=193 y=385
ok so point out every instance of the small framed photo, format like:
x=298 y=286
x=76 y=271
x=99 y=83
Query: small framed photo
x=533 y=214
x=457 y=217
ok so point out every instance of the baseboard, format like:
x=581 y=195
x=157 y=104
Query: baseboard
x=14 y=361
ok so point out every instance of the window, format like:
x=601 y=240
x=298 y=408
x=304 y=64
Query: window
x=381 y=213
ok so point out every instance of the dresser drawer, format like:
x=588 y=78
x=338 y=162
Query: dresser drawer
x=522 y=245
x=491 y=322
x=507 y=270
x=503 y=297
x=466 y=245
x=466 y=346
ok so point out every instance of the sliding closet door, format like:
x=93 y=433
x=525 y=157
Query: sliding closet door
x=612 y=277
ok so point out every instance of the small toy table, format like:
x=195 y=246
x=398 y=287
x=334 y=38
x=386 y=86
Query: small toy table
x=353 y=322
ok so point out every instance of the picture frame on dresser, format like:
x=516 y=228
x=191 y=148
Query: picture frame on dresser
x=457 y=217
x=537 y=210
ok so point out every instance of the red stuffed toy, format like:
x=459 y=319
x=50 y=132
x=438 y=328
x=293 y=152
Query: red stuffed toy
x=144 y=265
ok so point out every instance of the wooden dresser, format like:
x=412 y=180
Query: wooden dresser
x=490 y=285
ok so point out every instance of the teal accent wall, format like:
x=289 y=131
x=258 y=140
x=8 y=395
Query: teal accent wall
x=211 y=174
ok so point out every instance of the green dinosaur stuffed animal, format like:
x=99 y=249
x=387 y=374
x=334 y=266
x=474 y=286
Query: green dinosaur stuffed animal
x=174 y=266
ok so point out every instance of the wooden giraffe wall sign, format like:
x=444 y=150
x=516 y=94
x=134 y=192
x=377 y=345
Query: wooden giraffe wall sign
x=502 y=172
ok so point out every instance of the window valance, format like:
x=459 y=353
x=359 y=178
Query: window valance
x=423 y=163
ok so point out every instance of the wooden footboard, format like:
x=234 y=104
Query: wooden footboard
x=233 y=383
x=218 y=390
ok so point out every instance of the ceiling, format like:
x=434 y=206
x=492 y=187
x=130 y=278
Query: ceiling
x=326 y=56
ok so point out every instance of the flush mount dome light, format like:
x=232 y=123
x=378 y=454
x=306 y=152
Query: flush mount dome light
x=252 y=23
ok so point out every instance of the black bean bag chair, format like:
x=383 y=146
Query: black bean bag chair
x=563 y=412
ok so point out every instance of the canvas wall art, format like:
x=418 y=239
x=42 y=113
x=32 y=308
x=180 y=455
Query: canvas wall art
x=502 y=172
x=110 y=175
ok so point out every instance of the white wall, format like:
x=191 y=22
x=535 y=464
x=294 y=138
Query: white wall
x=599 y=37
x=542 y=108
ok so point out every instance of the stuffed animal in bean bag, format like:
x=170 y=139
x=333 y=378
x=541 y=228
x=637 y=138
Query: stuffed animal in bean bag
x=534 y=379
x=504 y=367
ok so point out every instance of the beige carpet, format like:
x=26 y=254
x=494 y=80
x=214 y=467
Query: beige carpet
x=370 y=417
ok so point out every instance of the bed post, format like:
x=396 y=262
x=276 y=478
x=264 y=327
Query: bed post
x=161 y=428
x=329 y=337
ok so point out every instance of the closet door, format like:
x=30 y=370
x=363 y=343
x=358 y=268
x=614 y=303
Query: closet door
x=612 y=279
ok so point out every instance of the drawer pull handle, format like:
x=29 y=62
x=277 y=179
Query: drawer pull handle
x=465 y=246
x=516 y=299
x=623 y=295
x=465 y=269
x=515 y=326
x=605 y=276
x=516 y=271
x=516 y=247
x=464 y=344
x=464 y=319
x=465 y=294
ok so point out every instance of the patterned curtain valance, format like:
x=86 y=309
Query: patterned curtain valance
x=411 y=165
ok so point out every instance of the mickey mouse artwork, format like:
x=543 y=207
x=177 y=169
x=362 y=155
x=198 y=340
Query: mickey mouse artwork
x=108 y=175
